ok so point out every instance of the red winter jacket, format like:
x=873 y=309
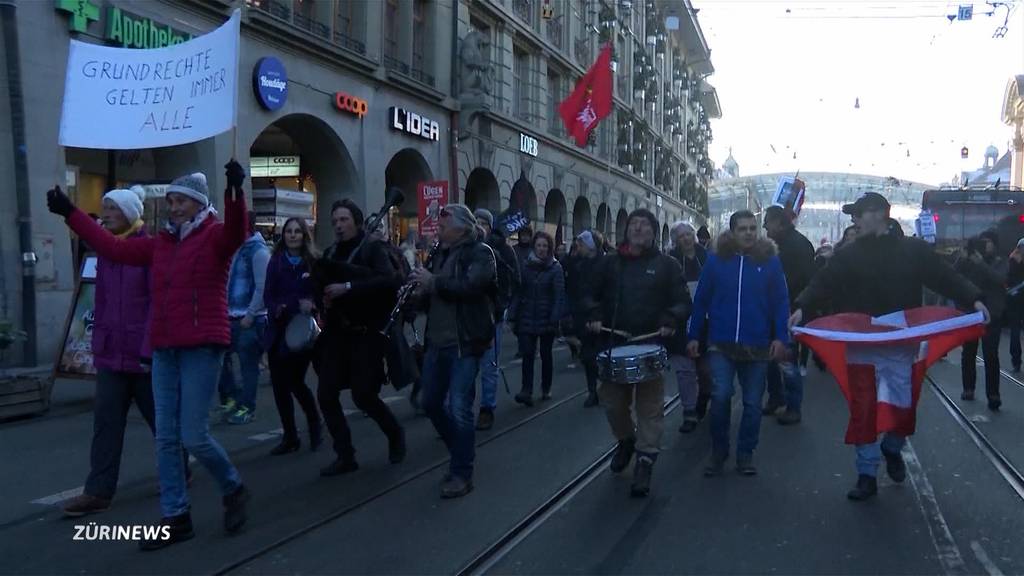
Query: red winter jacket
x=188 y=279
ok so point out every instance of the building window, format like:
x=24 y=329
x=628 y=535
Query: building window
x=556 y=93
x=524 y=9
x=348 y=32
x=304 y=15
x=522 y=85
x=622 y=70
x=420 y=32
x=556 y=30
x=391 y=22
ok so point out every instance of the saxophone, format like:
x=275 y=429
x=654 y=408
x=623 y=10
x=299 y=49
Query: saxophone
x=407 y=289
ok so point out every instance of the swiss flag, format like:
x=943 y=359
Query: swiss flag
x=591 y=100
x=880 y=363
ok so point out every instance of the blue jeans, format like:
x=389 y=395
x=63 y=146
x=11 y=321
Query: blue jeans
x=447 y=376
x=869 y=456
x=489 y=372
x=248 y=344
x=751 y=378
x=785 y=382
x=183 y=383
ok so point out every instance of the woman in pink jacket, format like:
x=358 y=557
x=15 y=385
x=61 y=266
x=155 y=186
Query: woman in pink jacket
x=188 y=330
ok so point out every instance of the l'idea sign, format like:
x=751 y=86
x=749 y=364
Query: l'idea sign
x=411 y=122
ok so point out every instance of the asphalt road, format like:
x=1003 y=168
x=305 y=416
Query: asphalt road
x=954 y=515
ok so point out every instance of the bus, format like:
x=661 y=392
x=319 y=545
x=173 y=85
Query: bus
x=962 y=213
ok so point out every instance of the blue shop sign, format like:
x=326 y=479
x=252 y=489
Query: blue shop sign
x=270 y=83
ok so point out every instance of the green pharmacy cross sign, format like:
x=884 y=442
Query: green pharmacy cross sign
x=81 y=11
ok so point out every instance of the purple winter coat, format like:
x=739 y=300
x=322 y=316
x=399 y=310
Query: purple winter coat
x=285 y=285
x=120 y=333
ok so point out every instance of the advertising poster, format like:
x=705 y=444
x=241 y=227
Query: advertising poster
x=432 y=197
x=75 y=360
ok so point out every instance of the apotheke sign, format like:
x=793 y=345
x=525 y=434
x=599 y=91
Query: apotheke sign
x=133 y=31
x=411 y=122
x=528 y=144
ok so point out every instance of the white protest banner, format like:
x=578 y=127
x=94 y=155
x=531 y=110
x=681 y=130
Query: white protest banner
x=123 y=98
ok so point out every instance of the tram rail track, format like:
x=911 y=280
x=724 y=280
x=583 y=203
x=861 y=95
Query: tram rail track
x=352 y=507
x=497 y=550
x=992 y=453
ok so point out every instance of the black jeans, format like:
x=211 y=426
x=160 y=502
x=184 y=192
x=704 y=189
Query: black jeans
x=528 y=348
x=1014 y=318
x=288 y=378
x=114 y=394
x=589 y=344
x=990 y=352
x=355 y=361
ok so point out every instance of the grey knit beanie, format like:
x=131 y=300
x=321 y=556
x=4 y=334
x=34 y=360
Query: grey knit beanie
x=462 y=215
x=486 y=215
x=193 y=186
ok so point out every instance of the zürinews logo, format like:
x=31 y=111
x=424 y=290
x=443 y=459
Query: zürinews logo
x=270 y=83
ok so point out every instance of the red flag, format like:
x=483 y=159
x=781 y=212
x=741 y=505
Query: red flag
x=880 y=363
x=591 y=100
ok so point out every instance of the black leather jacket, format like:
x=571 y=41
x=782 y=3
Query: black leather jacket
x=472 y=285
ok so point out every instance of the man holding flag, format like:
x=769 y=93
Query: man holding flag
x=879 y=354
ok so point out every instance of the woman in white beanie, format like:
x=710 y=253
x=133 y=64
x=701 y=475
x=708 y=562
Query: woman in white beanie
x=189 y=331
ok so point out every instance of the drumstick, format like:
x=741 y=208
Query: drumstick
x=616 y=332
x=645 y=336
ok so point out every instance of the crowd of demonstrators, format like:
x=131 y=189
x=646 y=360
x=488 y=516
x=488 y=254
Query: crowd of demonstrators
x=458 y=291
x=524 y=245
x=535 y=314
x=637 y=290
x=246 y=281
x=796 y=253
x=692 y=374
x=905 y=266
x=357 y=283
x=1014 y=315
x=580 y=267
x=979 y=262
x=507 y=275
x=288 y=294
x=742 y=296
x=188 y=262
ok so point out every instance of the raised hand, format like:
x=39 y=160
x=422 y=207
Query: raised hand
x=58 y=202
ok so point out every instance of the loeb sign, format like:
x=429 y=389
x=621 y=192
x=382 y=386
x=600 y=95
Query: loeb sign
x=413 y=123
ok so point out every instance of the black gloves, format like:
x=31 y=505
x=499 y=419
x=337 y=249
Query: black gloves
x=235 y=174
x=59 y=203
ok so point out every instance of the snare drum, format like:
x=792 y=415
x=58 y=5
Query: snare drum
x=632 y=364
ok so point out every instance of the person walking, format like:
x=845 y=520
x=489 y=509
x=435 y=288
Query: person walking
x=357 y=283
x=457 y=290
x=507 y=270
x=248 y=314
x=796 y=253
x=579 y=273
x=120 y=354
x=639 y=291
x=535 y=314
x=881 y=273
x=1015 y=301
x=288 y=294
x=188 y=329
x=692 y=374
x=743 y=297
x=979 y=264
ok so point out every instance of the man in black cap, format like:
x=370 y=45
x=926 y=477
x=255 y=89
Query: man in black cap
x=880 y=274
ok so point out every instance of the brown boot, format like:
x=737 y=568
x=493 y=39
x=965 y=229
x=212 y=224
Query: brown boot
x=85 y=504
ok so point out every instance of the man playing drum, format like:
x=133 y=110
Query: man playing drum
x=637 y=294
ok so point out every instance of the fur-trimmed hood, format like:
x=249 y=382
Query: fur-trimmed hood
x=727 y=247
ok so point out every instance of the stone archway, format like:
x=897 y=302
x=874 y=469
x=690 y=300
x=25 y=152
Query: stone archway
x=524 y=198
x=620 y=225
x=326 y=171
x=603 y=219
x=482 y=191
x=581 y=219
x=554 y=212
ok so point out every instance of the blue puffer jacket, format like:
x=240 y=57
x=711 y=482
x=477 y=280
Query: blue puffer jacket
x=540 y=303
x=742 y=297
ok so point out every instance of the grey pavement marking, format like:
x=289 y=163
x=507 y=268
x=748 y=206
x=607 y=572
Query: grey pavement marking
x=948 y=552
x=267 y=435
x=978 y=418
x=58 y=497
x=985 y=561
